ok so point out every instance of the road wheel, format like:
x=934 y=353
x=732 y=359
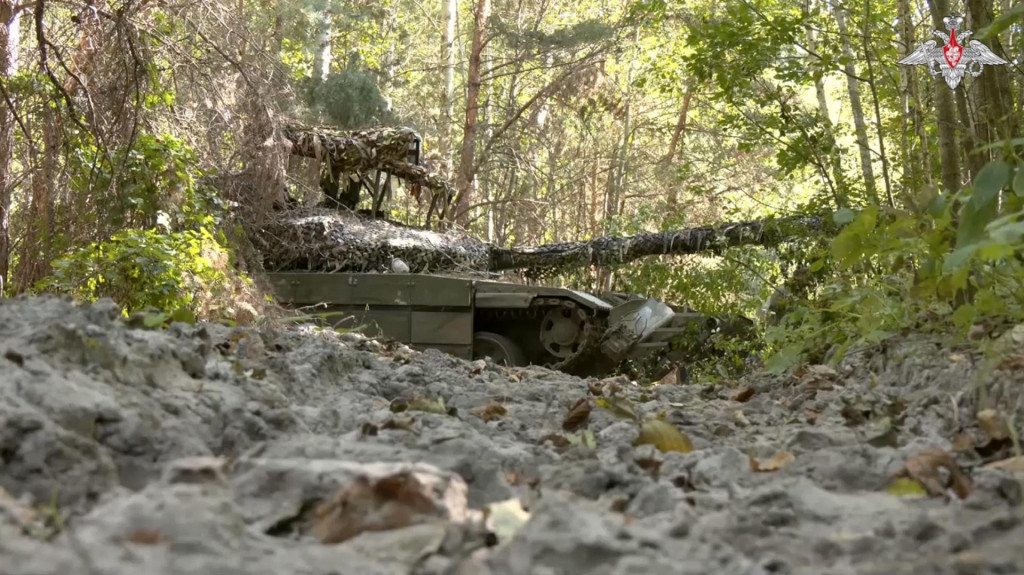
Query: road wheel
x=499 y=348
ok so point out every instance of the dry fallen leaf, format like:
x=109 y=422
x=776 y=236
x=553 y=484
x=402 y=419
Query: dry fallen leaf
x=400 y=423
x=743 y=394
x=811 y=416
x=670 y=378
x=505 y=518
x=740 y=418
x=664 y=436
x=579 y=415
x=816 y=378
x=146 y=537
x=1014 y=464
x=558 y=441
x=780 y=460
x=477 y=367
x=992 y=422
x=1012 y=363
x=17 y=509
x=650 y=465
x=390 y=502
x=925 y=468
x=492 y=411
x=428 y=406
x=619 y=406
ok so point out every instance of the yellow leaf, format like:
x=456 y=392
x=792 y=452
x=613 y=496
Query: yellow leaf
x=619 y=407
x=906 y=487
x=428 y=406
x=781 y=459
x=506 y=518
x=664 y=436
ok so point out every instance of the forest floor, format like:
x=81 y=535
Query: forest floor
x=213 y=449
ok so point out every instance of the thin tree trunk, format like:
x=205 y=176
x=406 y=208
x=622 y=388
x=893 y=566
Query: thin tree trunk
x=945 y=110
x=969 y=130
x=678 y=135
x=9 y=42
x=34 y=260
x=449 y=10
x=856 y=108
x=878 y=111
x=840 y=190
x=322 y=56
x=467 y=169
x=913 y=165
x=994 y=105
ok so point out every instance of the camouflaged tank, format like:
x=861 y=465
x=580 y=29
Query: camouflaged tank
x=517 y=325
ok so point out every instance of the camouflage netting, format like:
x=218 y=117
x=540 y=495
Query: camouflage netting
x=613 y=250
x=334 y=241
x=385 y=149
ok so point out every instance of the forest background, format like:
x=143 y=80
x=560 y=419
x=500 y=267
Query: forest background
x=133 y=132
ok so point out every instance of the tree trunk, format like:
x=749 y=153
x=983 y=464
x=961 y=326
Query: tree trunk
x=994 y=106
x=449 y=10
x=913 y=163
x=9 y=42
x=322 y=56
x=35 y=255
x=840 y=189
x=856 y=108
x=878 y=110
x=467 y=169
x=678 y=136
x=975 y=158
x=945 y=110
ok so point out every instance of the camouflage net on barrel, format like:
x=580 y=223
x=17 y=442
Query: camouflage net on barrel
x=337 y=241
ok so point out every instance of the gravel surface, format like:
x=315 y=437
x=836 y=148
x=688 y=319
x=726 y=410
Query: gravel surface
x=219 y=450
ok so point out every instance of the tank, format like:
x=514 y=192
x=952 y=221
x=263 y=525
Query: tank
x=517 y=325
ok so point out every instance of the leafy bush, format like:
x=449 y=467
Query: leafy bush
x=951 y=266
x=164 y=250
x=142 y=269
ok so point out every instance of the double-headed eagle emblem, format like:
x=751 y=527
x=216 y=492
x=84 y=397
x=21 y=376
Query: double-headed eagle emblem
x=953 y=60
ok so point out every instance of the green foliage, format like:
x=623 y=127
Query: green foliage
x=163 y=250
x=950 y=267
x=143 y=269
x=351 y=100
x=151 y=181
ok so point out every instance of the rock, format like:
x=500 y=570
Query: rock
x=721 y=468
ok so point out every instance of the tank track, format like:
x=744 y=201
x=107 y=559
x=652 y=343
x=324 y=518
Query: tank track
x=589 y=359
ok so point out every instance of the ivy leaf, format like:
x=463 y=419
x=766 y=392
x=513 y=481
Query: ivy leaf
x=958 y=259
x=152 y=320
x=973 y=220
x=846 y=247
x=964 y=316
x=843 y=216
x=988 y=183
x=1018 y=180
x=184 y=315
x=786 y=358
